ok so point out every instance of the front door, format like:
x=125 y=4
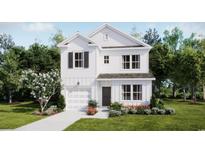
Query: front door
x=106 y=96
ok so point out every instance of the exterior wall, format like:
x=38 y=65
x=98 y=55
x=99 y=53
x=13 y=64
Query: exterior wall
x=115 y=39
x=84 y=76
x=115 y=61
x=116 y=93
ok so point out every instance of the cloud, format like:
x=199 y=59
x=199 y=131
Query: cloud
x=190 y=27
x=38 y=27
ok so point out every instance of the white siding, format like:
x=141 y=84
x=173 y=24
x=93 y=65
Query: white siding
x=115 y=61
x=115 y=39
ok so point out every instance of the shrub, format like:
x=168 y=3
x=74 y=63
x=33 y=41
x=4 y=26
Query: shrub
x=153 y=101
x=114 y=113
x=124 y=110
x=61 y=103
x=132 y=111
x=140 y=111
x=116 y=106
x=92 y=103
x=170 y=111
x=154 y=110
x=156 y=102
x=147 y=111
x=161 y=111
x=160 y=104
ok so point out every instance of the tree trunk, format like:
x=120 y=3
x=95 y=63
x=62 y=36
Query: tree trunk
x=10 y=97
x=204 y=91
x=193 y=94
x=184 y=93
x=174 y=92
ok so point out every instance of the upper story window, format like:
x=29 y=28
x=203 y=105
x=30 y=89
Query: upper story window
x=131 y=61
x=106 y=59
x=126 y=61
x=135 y=61
x=79 y=59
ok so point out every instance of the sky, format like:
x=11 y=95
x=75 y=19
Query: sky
x=25 y=34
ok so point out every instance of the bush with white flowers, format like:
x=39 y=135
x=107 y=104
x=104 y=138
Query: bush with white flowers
x=43 y=85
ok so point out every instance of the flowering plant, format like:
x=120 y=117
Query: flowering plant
x=43 y=85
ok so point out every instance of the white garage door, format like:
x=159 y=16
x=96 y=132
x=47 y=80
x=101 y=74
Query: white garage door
x=78 y=98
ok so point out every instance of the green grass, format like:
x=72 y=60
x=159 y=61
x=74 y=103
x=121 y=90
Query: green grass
x=16 y=115
x=188 y=117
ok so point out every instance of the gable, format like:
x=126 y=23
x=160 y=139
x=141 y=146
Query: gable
x=77 y=41
x=109 y=37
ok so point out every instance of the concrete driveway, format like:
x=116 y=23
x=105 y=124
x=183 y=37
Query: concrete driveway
x=60 y=121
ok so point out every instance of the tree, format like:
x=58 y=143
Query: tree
x=135 y=34
x=152 y=37
x=159 y=58
x=173 y=39
x=10 y=73
x=43 y=85
x=57 y=38
x=6 y=42
x=190 y=68
x=202 y=43
x=41 y=58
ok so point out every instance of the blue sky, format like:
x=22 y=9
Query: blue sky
x=24 y=34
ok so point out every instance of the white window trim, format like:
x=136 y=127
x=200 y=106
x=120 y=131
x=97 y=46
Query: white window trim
x=131 y=100
x=106 y=60
x=128 y=69
x=78 y=51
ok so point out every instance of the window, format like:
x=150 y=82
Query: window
x=79 y=59
x=126 y=92
x=135 y=61
x=126 y=61
x=137 y=92
x=106 y=37
x=106 y=59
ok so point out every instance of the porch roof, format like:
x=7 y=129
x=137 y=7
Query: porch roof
x=126 y=76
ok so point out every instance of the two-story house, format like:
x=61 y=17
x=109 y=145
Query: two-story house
x=107 y=66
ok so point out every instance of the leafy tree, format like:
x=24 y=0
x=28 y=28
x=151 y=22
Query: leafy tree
x=43 y=85
x=6 y=42
x=190 y=68
x=159 y=58
x=173 y=39
x=152 y=37
x=135 y=34
x=57 y=38
x=10 y=73
x=41 y=58
x=202 y=43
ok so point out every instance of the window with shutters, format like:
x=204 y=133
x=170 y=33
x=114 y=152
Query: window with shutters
x=79 y=59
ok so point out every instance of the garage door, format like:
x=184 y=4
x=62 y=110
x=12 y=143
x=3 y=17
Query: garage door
x=78 y=98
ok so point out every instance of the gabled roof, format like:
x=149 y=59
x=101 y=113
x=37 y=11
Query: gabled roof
x=76 y=35
x=119 y=32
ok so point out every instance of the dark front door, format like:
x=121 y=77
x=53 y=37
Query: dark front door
x=106 y=96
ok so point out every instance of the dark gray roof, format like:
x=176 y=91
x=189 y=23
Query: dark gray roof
x=125 y=75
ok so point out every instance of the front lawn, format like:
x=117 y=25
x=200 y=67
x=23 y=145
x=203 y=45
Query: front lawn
x=16 y=115
x=188 y=117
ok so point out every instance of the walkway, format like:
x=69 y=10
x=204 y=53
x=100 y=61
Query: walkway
x=60 y=121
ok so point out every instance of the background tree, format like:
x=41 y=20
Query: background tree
x=135 y=34
x=57 y=38
x=173 y=39
x=159 y=57
x=152 y=37
x=10 y=73
x=6 y=42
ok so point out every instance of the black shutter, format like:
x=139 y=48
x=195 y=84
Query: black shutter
x=86 y=59
x=70 y=60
